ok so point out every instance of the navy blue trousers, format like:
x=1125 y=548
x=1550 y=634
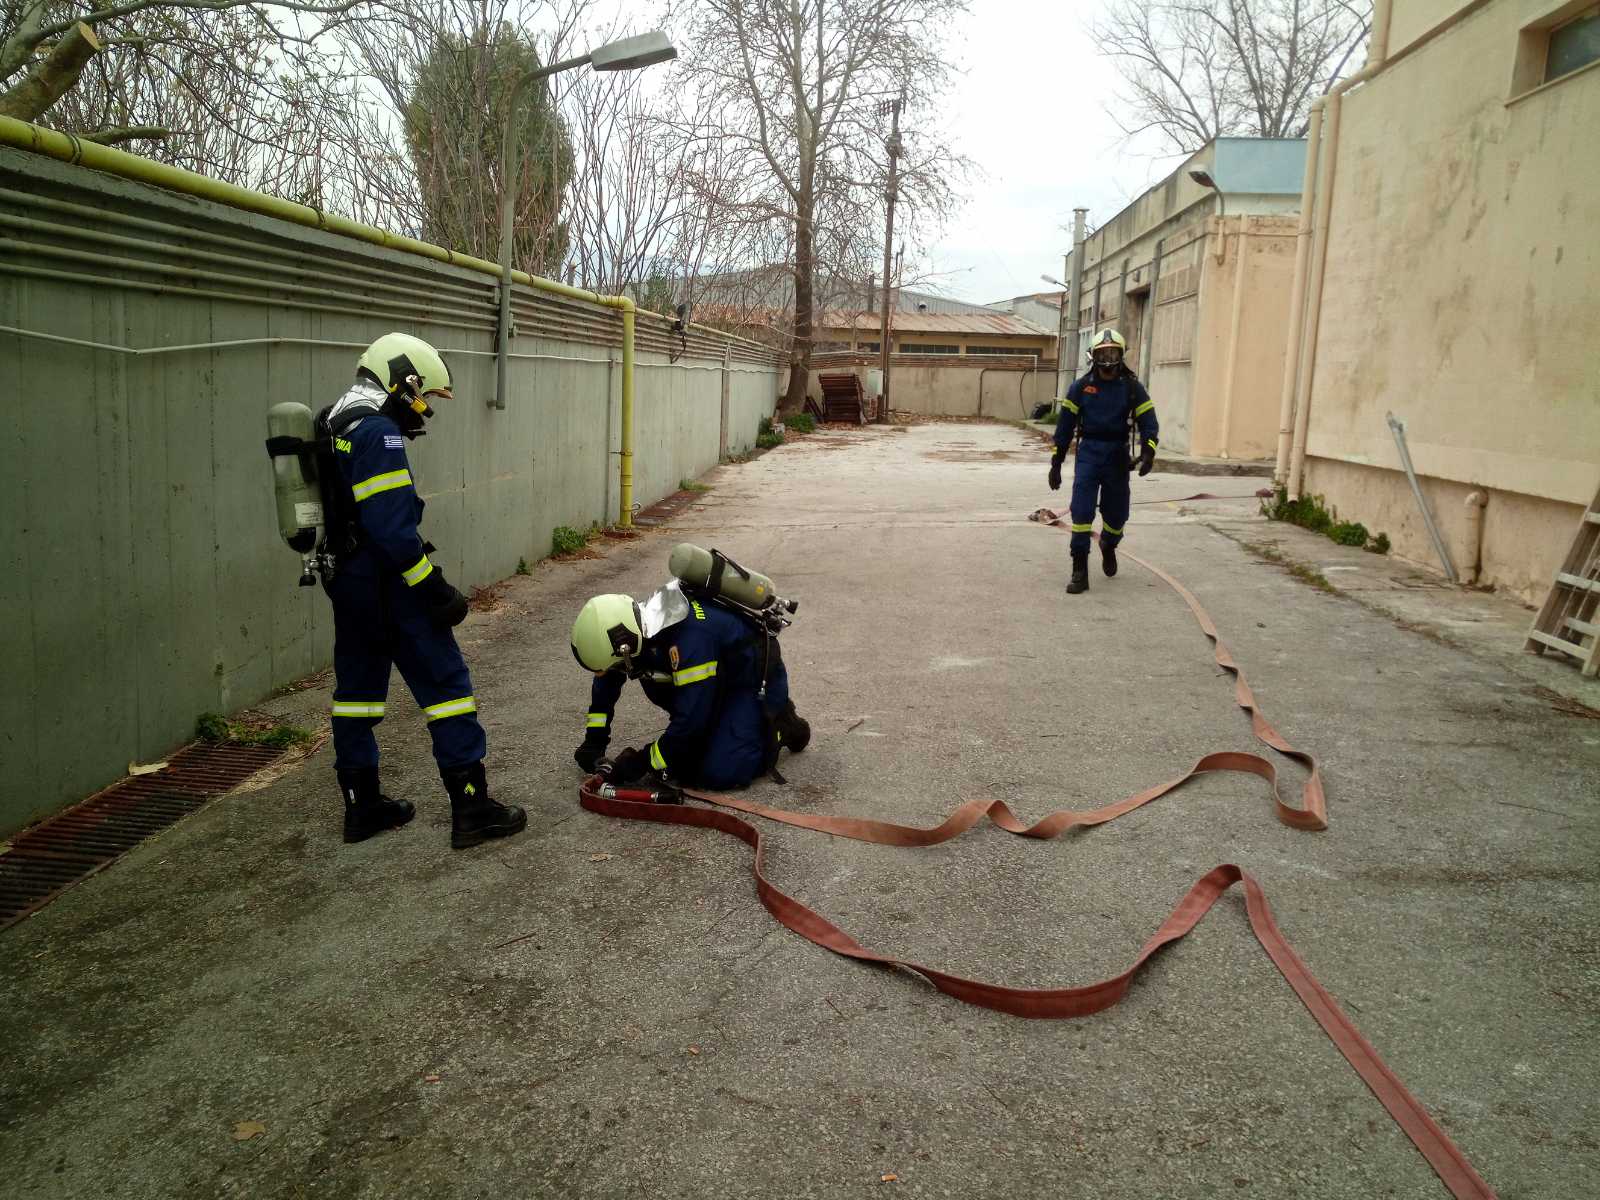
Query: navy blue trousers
x=377 y=623
x=1099 y=479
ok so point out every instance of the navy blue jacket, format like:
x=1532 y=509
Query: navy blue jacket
x=1099 y=409
x=372 y=459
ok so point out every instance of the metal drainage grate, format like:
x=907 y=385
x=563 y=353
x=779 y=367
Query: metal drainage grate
x=69 y=847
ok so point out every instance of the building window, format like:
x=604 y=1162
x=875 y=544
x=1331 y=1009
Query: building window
x=1573 y=45
x=1561 y=43
x=916 y=348
x=873 y=347
x=1013 y=350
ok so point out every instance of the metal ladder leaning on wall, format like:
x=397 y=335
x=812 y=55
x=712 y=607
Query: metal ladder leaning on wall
x=1568 y=621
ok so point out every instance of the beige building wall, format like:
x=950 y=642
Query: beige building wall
x=1217 y=334
x=942 y=386
x=1463 y=293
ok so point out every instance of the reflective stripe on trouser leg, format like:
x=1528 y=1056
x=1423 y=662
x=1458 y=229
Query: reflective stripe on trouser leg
x=1085 y=490
x=432 y=666
x=361 y=672
x=1115 y=500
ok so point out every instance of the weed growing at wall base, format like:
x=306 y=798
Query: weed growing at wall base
x=766 y=436
x=564 y=539
x=1310 y=512
x=215 y=728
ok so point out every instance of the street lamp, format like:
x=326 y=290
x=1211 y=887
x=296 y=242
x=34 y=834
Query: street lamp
x=1201 y=174
x=1051 y=279
x=624 y=54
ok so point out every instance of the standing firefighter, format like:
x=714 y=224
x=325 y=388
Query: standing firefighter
x=1100 y=407
x=391 y=604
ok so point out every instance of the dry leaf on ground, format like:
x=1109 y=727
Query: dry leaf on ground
x=243 y=1131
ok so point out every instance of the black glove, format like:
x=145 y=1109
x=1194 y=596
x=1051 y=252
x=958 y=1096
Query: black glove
x=589 y=754
x=444 y=605
x=1055 y=474
x=1147 y=459
x=630 y=766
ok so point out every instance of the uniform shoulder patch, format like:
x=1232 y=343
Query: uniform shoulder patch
x=393 y=441
x=672 y=656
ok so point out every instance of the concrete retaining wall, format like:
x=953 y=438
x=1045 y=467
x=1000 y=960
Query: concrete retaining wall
x=140 y=567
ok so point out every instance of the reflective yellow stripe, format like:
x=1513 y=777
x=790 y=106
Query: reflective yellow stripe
x=451 y=708
x=1104 y=528
x=1144 y=408
x=368 y=488
x=358 y=708
x=596 y=721
x=695 y=674
x=419 y=572
x=656 y=761
x=1089 y=528
x=1152 y=443
x=1070 y=406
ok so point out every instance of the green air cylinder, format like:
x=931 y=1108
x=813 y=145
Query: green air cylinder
x=695 y=567
x=289 y=442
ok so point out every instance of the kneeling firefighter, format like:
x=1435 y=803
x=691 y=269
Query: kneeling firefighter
x=391 y=604
x=705 y=649
x=1115 y=420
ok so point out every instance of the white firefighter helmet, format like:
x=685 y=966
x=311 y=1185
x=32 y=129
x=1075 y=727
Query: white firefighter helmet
x=608 y=631
x=408 y=369
x=1108 y=348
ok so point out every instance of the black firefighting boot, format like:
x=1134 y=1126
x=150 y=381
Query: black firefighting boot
x=1108 y=558
x=474 y=816
x=366 y=809
x=1080 y=575
x=794 y=731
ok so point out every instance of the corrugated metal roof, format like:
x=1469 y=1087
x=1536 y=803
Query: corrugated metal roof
x=993 y=323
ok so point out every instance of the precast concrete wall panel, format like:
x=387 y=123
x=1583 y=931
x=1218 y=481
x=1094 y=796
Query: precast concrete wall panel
x=144 y=579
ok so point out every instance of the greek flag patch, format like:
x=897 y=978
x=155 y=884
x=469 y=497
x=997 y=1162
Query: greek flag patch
x=393 y=441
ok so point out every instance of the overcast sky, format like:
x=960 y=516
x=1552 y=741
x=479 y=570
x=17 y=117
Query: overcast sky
x=1030 y=112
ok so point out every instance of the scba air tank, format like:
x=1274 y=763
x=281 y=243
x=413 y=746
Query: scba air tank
x=715 y=573
x=294 y=475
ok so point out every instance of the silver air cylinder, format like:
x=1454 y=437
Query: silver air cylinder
x=299 y=499
x=694 y=566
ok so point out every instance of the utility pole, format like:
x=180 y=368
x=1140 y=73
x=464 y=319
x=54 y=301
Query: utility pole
x=892 y=108
x=1075 y=297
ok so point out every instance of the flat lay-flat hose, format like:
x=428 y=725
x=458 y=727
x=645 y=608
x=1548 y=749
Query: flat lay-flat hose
x=1311 y=814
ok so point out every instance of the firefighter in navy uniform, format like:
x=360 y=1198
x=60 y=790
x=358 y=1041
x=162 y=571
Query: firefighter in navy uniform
x=1100 y=406
x=392 y=604
x=721 y=679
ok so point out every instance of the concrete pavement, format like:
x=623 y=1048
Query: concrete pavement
x=600 y=1009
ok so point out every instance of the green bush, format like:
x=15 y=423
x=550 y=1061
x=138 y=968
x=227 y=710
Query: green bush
x=764 y=426
x=1311 y=512
x=564 y=539
x=522 y=566
x=769 y=439
x=802 y=423
x=1349 y=533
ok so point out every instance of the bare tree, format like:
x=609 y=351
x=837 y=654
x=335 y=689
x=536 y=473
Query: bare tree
x=790 y=89
x=1194 y=70
x=46 y=46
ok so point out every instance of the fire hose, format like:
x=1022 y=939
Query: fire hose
x=1452 y=1167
